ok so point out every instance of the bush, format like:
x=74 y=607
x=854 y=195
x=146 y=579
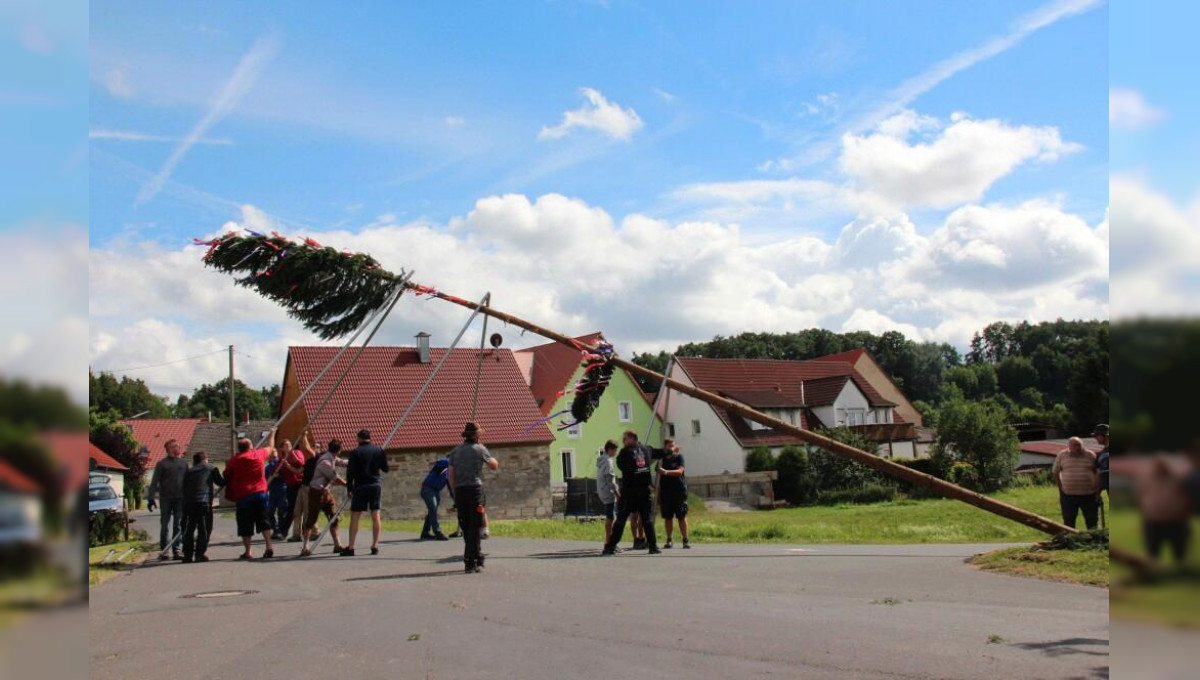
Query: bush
x=871 y=493
x=964 y=475
x=928 y=466
x=760 y=460
x=795 y=481
x=105 y=527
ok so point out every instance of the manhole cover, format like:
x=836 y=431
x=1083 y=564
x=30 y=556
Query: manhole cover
x=218 y=593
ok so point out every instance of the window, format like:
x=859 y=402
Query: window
x=671 y=430
x=568 y=463
x=695 y=428
x=625 y=411
x=575 y=431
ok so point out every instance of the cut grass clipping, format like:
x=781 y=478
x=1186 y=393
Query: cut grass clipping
x=1071 y=558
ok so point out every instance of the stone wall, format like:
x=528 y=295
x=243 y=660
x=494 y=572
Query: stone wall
x=520 y=488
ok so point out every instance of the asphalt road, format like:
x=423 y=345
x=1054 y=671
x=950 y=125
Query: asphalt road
x=552 y=609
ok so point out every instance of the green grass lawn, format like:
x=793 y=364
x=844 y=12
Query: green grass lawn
x=1173 y=600
x=1085 y=567
x=99 y=573
x=905 y=521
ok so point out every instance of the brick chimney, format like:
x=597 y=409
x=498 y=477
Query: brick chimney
x=423 y=347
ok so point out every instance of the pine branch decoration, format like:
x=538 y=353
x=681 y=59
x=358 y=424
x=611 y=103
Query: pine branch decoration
x=330 y=291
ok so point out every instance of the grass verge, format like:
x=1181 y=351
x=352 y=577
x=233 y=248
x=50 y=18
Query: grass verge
x=1084 y=567
x=903 y=521
x=1173 y=598
x=99 y=573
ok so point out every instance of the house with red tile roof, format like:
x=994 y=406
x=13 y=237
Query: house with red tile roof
x=552 y=370
x=100 y=462
x=20 y=506
x=152 y=435
x=809 y=394
x=870 y=369
x=381 y=386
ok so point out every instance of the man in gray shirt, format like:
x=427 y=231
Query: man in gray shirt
x=466 y=469
x=167 y=484
x=606 y=486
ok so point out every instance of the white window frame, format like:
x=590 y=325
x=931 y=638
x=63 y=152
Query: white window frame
x=625 y=411
x=567 y=456
x=575 y=431
x=696 y=429
x=671 y=430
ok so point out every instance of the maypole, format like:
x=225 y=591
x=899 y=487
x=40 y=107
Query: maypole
x=333 y=291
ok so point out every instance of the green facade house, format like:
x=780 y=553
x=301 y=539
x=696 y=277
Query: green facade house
x=553 y=368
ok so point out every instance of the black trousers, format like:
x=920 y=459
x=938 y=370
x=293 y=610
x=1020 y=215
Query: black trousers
x=634 y=501
x=1174 y=534
x=197 y=526
x=470 y=520
x=1072 y=505
x=286 y=525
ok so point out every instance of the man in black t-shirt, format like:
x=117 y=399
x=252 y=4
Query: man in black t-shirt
x=364 y=481
x=634 y=463
x=672 y=492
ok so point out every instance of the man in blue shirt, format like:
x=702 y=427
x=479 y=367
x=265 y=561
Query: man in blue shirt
x=431 y=493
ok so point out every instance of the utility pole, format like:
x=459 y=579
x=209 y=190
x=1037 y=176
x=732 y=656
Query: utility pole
x=232 y=412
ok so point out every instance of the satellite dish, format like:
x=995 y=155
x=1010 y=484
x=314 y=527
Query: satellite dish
x=496 y=340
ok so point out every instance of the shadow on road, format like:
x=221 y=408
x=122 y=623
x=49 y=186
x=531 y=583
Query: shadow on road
x=1067 y=647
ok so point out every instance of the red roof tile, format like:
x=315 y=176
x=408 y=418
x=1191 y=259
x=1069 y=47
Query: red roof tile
x=13 y=479
x=384 y=381
x=70 y=450
x=153 y=434
x=103 y=459
x=849 y=357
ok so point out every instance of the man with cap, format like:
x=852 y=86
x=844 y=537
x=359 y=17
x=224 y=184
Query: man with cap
x=364 y=481
x=634 y=462
x=465 y=472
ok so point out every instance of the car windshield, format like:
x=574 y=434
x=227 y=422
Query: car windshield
x=101 y=493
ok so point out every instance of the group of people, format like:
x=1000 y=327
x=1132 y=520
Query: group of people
x=279 y=486
x=634 y=497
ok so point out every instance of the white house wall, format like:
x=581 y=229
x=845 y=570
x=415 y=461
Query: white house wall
x=715 y=451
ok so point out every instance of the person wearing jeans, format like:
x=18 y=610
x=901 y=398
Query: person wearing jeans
x=166 y=485
x=431 y=493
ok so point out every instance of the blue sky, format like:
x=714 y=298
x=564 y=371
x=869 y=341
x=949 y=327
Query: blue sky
x=738 y=166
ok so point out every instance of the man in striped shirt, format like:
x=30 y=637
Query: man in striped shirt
x=1078 y=483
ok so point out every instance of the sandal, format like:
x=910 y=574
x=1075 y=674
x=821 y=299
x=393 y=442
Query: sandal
x=244 y=556
x=305 y=552
x=268 y=554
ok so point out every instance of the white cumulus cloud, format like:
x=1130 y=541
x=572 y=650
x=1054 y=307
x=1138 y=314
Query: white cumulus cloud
x=1129 y=110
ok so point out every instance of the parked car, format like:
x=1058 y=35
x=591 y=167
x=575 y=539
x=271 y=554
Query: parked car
x=101 y=498
x=98 y=478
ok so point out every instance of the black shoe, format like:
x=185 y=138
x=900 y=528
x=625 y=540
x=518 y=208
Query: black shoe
x=655 y=551
x=176 y=556
x=639 y=545
x=686 y=545
x=268 y=554
x=347 y=552
x=202 y=558
x=295 y=539
x=469 y=567
x=425 y=538
x=441 y=537
x=668 y=545
x=374 y=551
x=607 y=552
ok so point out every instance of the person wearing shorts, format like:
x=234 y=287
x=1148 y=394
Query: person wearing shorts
x=672 y=492
x=320 y=496
x=246 y=486
x=606 y=486
x=364 y=479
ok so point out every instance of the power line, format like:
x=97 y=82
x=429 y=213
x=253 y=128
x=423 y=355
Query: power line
x=165 y=363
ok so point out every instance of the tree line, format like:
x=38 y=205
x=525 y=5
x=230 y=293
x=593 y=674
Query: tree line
x=129 y=397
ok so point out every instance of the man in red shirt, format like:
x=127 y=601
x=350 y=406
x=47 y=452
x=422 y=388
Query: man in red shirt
x=246 y=486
